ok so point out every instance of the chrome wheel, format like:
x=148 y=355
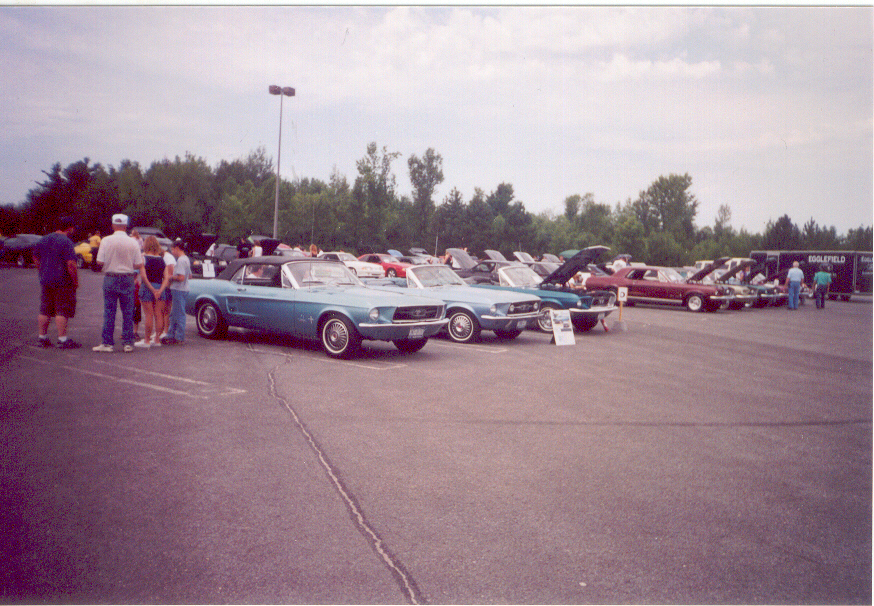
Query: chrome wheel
x=695 y=303
x=463 y=327
x=210 y=323
x=339 y=339
x=544 y=320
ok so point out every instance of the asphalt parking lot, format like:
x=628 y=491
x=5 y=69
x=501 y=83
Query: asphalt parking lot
x=693 y=458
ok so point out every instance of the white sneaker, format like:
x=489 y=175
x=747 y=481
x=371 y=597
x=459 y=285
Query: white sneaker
x=103 y=348
x=142 y=343
x=157 y=343
x=127 y=348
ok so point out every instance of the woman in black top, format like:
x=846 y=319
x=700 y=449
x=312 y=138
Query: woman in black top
x=153 y=282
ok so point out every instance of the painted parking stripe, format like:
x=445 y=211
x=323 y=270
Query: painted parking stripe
x=198 y=389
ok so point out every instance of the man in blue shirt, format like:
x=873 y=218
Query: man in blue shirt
x=794 y=278
x=55 y=260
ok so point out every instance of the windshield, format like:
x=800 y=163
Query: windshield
x=671 y=275
x=431 y=276
x=315 y=274
x=346 y=257
x=519 y=276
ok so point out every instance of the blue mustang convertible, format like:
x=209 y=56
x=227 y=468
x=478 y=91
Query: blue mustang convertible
x=312 y=299
x=470 y=310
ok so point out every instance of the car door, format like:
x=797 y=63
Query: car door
x=259 y=300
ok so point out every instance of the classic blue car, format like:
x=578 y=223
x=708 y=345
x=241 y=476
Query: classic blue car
x=470 y=310
x=586 y=309
x=313 y=299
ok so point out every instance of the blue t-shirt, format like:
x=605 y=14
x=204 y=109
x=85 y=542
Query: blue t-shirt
x=795 y=275
x=53 y=251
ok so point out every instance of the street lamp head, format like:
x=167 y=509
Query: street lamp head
x=277 y=90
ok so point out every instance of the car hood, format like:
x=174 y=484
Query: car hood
x=495 y=255
x=707 y=270
x=462 y=258
x=735 y=270
x=200 y=243
x=579 y=262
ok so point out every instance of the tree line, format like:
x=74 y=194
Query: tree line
x=185 y=196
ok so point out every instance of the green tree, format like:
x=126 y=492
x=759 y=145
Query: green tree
x=373 y=194
x=667 y=206
x=782 y=235
x=478 y=219
x=449 y=222
x=425 y=175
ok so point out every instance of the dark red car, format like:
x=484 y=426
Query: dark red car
x=663 y=285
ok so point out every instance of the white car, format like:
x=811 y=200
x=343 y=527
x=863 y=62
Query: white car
x=362 y=269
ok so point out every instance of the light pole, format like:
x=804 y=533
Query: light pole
x=282 y=92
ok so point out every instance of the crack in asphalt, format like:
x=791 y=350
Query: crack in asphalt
x=405 y=581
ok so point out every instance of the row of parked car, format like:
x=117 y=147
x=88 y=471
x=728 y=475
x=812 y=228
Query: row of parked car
x=341 y=300
x=326 y=298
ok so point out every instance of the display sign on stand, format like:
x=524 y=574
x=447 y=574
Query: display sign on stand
x=562 y=327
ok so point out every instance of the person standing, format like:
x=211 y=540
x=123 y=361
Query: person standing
x=179 y=291
x=794 y=278
x=94 y=243
x=166 y=301
x=55 y=261
x=153 y=282
x=121 y=259
x=822 y=282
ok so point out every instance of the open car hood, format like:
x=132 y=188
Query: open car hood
x=743 y=265
x=707 y=269
x=201 y=242
x=463 y=259
x=495 y=255
x=579 y=262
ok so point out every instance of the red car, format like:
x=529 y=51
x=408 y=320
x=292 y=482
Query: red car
x=663 y=285
x=393 y=268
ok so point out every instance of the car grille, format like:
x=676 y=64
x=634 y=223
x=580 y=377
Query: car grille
x=418 y=313
x=526 y=307
x=602 y=298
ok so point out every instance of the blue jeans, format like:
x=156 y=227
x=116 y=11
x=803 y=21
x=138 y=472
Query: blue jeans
x=176 y=329
x=118 y=291
x=794 y=292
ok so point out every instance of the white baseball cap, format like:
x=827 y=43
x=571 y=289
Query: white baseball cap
x=119 y=219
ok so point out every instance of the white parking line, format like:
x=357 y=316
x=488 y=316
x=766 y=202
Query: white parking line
x=199 y=389
x=469 y=347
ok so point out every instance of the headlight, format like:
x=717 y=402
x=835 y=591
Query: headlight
x=536 y=305
x=579 y=302
x=512 y=308
x=493 y=309
x=374 y=314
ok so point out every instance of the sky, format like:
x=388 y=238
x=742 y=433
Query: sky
x=768 y=109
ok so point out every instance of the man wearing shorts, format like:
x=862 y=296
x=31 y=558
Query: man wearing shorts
x=55 y=260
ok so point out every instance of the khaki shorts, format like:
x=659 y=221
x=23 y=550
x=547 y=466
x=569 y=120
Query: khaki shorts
x=58 y=301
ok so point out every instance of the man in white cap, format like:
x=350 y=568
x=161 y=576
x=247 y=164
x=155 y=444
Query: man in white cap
x=121 y=259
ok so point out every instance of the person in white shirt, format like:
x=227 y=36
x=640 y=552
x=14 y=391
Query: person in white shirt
x=120 y=258
x=179 y=290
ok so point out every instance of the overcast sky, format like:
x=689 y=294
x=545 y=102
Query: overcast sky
x=768 y=109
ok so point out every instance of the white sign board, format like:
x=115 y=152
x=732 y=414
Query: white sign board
x=208 y=269
x=622 y=294
x=562 y=328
